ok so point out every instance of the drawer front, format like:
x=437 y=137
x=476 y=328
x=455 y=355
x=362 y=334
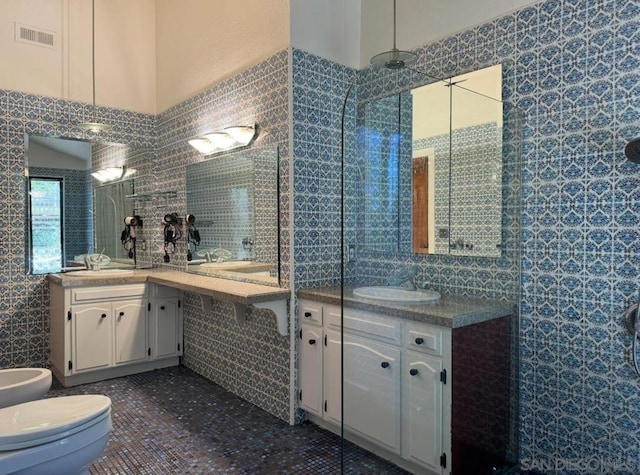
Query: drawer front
x=365 y=323
x=162 y=291
x=107 y=292
x=425 y=338
x=310 y=312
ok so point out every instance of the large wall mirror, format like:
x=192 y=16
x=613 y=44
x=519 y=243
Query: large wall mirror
x=234 y=203
x=70 y=213
x=432 y=167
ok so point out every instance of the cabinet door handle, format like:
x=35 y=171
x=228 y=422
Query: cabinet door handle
x=312 y=342
x=161 y=307
x=307 y=314
x=419 y=341
x=104 y=315
x=122 y=314
x=413 y=372
x=384 y=364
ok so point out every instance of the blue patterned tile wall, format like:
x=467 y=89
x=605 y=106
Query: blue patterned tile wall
x=380 y=168
x=24 y=299
x=214 y=343
x=574 y=69
x=319 y=90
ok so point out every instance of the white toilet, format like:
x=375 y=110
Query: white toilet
x=56 y=436
x=18 y=385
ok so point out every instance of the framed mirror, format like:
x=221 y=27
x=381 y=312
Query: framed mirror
x=233 y=200
x=69 y=212
x=432 y=168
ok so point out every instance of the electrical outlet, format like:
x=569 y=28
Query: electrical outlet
x=350 y=253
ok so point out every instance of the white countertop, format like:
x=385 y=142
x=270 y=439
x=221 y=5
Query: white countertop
x=220 y=289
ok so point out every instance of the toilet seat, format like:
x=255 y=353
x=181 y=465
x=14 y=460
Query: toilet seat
x=45 y=420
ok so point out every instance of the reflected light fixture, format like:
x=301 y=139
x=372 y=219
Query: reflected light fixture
x=228 y=139
x=93 y=125
x=113 y=173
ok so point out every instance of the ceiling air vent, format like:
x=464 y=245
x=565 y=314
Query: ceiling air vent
x=35 y=36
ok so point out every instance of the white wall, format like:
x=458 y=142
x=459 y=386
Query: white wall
x=125 y=51
x=330 y=29
x=153 y=54
x=25 y=67
x=202 y=42
x=423 y=21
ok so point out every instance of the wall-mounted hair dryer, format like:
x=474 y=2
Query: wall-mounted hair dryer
x=128 y=236
x=172 y=232
x=193 y=236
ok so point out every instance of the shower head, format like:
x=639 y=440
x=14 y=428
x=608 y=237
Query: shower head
x=394 y=58
x=632 y=150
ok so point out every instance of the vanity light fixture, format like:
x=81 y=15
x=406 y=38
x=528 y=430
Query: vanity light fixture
x=93 y=125
x=220 y=140
x=228 y=139
x=113 y=173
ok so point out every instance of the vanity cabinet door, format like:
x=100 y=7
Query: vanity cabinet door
x=311 y=369
x=372 y=390
x=165 y=328
x=130 y=331
x=332 y=377
x=422 y=410
x=91 y=343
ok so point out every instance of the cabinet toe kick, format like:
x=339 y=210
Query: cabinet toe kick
x=278 y=307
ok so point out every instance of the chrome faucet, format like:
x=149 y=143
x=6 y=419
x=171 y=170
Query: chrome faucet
x=404 y=278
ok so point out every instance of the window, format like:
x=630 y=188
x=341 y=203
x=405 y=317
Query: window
x=46 y=224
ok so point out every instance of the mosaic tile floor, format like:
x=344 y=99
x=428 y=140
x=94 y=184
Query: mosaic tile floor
x=174 y=421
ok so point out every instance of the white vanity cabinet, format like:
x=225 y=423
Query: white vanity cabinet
x=91 y=330
x=311 y=359
x=371 y=384
x=395 y=395
x=422 y=392
x=107 y=332
x=101 y=332
x=130 y=331
x=165 y=323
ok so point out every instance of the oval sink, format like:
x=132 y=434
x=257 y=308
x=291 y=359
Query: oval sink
x=99 y=273
x=225 y=264
x=395 y=294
